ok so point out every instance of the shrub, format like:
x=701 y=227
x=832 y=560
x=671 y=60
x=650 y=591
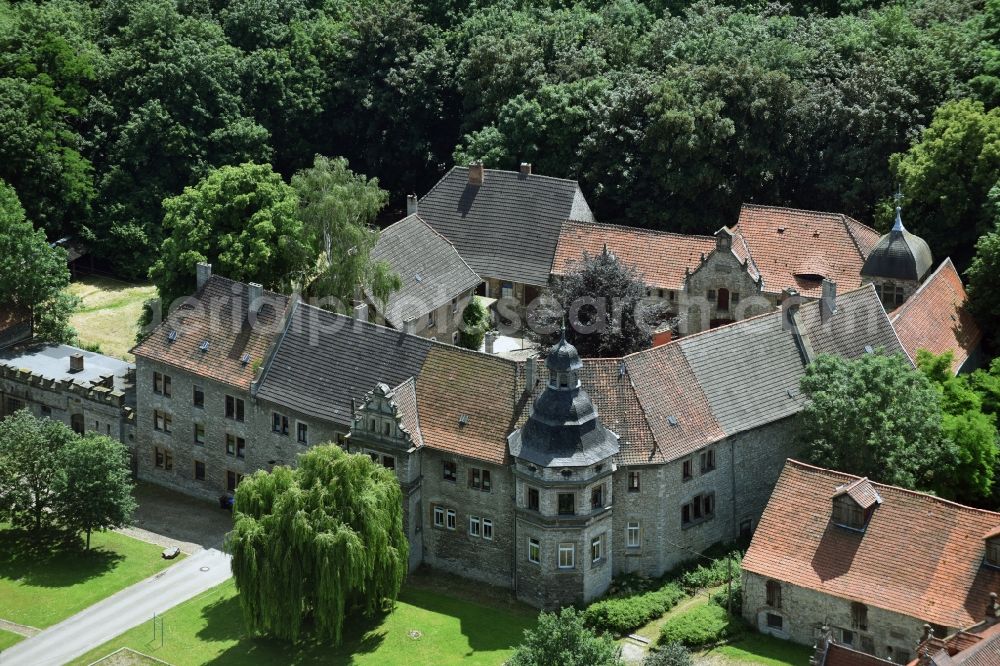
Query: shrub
x=622 y=615
x=671 y=654
x=563 y=639
x=701 y=626
x=710 y=575
x=719 y=597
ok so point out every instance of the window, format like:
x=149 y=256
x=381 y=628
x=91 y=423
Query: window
x=993 y=552
x=198 y=399
x=162 y=421
x=533 y=499
x=847 y=637
x=597 y=549
x=302 y=433
x=685 y=514
x=386 y=428
x=746 y=528
x=475 y=478
x=487 y=529
x=199 y=470
x=597 y=498
x=451 y=519
x=775 y=621
x=701 y=507
x=563 y=379
x=774 y=594
x=474 y=526
x=161 y=384
x=234 y=408
x=388 y=462
x=430 y=319
x=449 y=470
x=236 y=446
x=686 y=471
x=241 y=447
x=722 y=301
x=632 y=534
x=567 y=555
x=75 y=422
x=848 y=513
x=707 y=461
x=163 y=458
x=710 y=295
x=506 y=290
x=534 y=551
x=46 y=411
x=734 y=298
x=438 y=516
x=279 y=423
x=567 y=503
x=633 y=482
x=859 y=616
x=232 y=480
x=199 y=434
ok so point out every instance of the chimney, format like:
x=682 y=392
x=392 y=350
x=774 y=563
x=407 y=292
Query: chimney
x=476 y=173
x=361 y=312
x=76 y=362
x=255 y=297
x=411 y=204
x=525 y=168
x=204 y=272
x=828 y=302
x=529 y=375
x=491 y=339
x=410 y=327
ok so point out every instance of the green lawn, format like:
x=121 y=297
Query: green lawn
x=209 y=628
x=8 y=638
x=109 y=313
x=40 y=586
x=757 y=648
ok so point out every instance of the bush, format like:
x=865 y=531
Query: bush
x=563 y=639
x=475 y=323
x=622 y=615
x=671 y=654
x=701 y=626
x=716 y=573
x=719 y=597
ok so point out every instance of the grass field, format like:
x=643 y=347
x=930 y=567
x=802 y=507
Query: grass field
x=109 y=313
x=8 y=638
x=209 y=628
x=756 y=648
x=41 y=585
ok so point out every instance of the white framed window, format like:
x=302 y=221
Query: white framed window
x=451 y=519
x=507 y=290
x=438 y=516
x=567 y=556
x=474 y=526
x=597 y=549
x=487 y=529
x=534 y=551
x=632 y=534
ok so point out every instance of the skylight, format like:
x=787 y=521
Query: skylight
x=203 y=346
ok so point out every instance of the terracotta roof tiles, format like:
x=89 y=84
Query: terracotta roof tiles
x=941 y=543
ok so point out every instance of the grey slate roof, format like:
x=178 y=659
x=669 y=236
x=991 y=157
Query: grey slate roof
x=322 y=360
x=52 y=362
x=860 y=322
x=899 y=255
x=430 y=268
x=508 y=227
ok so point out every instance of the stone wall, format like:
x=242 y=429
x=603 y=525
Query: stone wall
x=720 y=270
x=802 y=612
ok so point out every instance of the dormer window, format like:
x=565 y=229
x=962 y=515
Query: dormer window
x=993 y=549
x=854 y=503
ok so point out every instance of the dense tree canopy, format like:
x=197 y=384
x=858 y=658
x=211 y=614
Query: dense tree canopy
x=562 y=638
x=877 y=417
x=984 y=297
x=317 y=542
x=670 y=112
x=244 y=220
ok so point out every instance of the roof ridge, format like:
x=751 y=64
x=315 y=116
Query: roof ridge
x=657 y=232
x=930 y=278
x=801 y=210
x=854 y=238
x=808 y=467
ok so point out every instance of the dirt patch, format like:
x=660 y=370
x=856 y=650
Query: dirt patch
x=128 y=657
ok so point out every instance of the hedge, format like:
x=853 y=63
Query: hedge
x=622 y=615
x=715 y=573
x=703 y=625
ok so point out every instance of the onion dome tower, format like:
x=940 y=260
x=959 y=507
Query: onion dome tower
x=897 y=264
x=563 y=462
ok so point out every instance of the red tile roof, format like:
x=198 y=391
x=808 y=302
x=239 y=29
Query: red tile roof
x=919 y=555
x=935 y=318
x=978 y=646
x=218 y=315
x=659 y=256
x=788 y=245
x=861 y=491
x=841 y=655
x=454 y=382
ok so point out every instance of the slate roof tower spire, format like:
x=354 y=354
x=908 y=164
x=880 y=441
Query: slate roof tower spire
x=898 y=263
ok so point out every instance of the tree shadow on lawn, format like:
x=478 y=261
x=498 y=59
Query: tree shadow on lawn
x=487 y=628
x=223 y=621
x=51 y=558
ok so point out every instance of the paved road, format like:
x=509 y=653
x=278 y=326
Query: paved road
x=108 y=618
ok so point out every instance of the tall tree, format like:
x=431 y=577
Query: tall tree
x=984 y=298
x=337 y=207
x=564 y=639
x=244 y=220
x=32 y=273
x=93 y=487
x=602 y=306
x=317 y=542
x=877 y=417
x=30 y=461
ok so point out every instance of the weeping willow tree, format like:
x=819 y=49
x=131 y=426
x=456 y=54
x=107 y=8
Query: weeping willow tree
x=312 y=544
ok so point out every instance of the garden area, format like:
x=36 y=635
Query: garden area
x=108 y=314
x=43 y=580
x=425 y=627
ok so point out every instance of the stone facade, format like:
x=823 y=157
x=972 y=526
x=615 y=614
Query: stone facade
x=797 y=614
